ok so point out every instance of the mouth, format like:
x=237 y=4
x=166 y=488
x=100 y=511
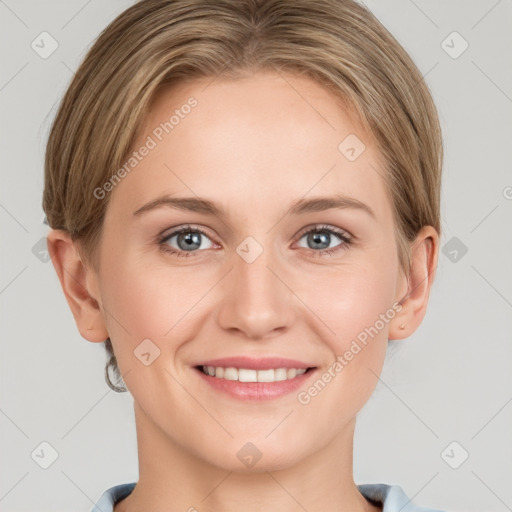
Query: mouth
x=252 y=375
x=245 y=378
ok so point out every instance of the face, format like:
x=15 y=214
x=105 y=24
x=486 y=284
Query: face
x=263 y=271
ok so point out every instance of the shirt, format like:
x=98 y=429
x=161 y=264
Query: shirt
x=390 y=497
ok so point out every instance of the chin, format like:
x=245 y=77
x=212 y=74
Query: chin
x=247 y=457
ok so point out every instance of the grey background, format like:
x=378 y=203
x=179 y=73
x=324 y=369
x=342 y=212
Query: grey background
x=451 y=381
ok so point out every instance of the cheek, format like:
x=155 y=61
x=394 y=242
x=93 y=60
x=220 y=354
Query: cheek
x=148 y=300
x=354 y=299
x=357 y=306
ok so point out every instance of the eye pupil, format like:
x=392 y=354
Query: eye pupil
x=192 y=240
x=320 y=238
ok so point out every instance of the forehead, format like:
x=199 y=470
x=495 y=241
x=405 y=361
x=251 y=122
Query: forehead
x=261 y=141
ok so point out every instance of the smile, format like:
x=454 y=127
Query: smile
x=255 y=379
x=250 y=375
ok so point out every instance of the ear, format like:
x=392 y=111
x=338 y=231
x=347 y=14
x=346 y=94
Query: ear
x=79 y=285
x=414 y=289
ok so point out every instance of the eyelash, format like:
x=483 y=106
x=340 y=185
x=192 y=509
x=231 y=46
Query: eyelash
x=347 y=240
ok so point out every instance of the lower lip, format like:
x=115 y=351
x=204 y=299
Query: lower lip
x=256 y=390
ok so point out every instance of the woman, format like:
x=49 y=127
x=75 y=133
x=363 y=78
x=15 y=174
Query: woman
x=244 y=203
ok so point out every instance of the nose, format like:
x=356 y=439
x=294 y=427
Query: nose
x=256 y=299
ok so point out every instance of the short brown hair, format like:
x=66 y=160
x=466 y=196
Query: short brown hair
x=155 y=43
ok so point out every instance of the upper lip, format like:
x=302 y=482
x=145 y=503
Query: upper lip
x=265 y=363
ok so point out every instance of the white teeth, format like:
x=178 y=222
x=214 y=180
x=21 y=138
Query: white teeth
x=280 y=374
x=266 y=376
x=249 y=375
x=230 y=373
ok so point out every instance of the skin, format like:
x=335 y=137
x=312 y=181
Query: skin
x=253 y=146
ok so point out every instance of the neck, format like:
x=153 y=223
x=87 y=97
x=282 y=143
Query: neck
x=173 y=479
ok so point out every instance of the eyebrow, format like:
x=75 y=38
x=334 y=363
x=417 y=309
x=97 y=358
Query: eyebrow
x=302 y=206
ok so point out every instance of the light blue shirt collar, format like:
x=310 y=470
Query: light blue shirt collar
x=391 y=497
